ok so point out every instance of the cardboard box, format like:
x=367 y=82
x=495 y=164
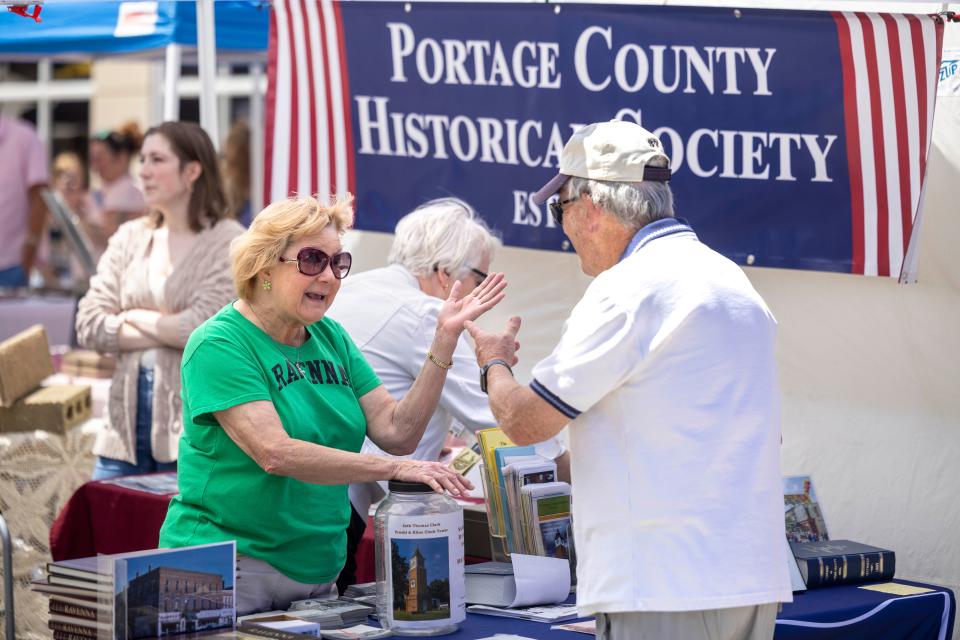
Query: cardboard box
x=55 y=408
x=83 y=363
x=476 y=533
x=90 y=359
x=24 y=363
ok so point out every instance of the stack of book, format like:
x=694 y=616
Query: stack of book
x=79 y=598
x=142 y=594
x=364 y=593
x=327 y=614
x=88 y=364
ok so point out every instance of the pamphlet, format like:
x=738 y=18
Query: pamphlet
x=801 y=511
x=549 y=613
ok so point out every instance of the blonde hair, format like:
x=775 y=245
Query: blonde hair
x=276 y=228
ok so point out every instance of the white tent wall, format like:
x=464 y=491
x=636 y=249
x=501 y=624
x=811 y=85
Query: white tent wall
x=869 y=371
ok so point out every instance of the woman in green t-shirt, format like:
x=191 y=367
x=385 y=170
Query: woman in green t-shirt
x=277 y=400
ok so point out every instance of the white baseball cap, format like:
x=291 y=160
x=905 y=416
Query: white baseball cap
x=618 y=151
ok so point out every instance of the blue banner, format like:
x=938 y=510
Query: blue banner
x=760 y=111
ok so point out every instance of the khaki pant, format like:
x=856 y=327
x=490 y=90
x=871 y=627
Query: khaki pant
x=739 y=623
x=260 y=587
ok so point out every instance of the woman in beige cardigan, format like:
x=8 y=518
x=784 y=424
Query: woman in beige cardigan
x=161 y=276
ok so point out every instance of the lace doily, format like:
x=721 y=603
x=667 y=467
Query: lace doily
x=39 y=471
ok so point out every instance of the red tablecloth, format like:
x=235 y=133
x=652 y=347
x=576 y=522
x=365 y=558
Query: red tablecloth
x=102 y=517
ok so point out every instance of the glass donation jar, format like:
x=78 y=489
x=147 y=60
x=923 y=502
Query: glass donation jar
x=419 y=555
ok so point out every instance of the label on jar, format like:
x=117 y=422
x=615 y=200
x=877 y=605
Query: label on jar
x=425 y=570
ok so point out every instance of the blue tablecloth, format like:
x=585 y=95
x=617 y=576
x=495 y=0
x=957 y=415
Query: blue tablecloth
x=847 y=613
x=851 y=613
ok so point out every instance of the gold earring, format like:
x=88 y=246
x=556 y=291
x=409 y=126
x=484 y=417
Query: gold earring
x=266 y=285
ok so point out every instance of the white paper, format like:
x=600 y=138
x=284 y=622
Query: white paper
x=588 y=627
x=438 y=538
x=796 y=580
x=540 y=579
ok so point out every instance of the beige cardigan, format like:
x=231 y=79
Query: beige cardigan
x=199 y=286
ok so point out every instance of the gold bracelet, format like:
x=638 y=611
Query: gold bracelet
x=438 y=362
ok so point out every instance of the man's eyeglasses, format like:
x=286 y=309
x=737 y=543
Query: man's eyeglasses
x=556 y=208
x=311 y=262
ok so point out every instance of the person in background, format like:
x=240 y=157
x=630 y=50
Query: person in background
x=161 y=276
x=236 y=172
x=55 y=261
x=666 y=374
x=391 y=312
x=22 y=211
x=118 y=198
x=277 y=400
x=69 y=181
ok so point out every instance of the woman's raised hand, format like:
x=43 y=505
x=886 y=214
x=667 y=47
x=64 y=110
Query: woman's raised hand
x=456 y=310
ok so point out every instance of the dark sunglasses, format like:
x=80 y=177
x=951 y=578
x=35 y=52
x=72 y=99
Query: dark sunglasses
x=556 y=209
x=481 y=275
x=312 y=262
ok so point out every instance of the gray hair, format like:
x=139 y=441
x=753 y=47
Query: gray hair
x=445 y=233
x=634 y=204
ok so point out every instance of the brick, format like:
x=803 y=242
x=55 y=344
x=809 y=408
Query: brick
x=55 y=408
x=24 y=363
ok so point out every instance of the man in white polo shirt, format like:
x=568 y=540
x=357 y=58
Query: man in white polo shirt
x=665 y=373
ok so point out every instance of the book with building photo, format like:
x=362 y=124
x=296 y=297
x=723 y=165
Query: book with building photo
x=170 y=591
x=802 y=513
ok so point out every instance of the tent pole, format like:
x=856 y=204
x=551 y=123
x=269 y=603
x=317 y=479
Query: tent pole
x=207 y=54
x=171 y=78
x=256 y=142
x=44 y=110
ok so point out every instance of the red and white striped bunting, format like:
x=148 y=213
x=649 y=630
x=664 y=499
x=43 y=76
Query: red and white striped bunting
x=889 y=83
x=308 y=144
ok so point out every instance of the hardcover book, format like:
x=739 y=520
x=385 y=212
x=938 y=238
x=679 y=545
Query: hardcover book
x=829 y=563
x=490 y=583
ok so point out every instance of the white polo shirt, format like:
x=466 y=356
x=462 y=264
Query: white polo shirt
x=666 y=367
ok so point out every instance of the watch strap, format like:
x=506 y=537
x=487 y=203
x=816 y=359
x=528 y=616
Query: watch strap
x=486 y=367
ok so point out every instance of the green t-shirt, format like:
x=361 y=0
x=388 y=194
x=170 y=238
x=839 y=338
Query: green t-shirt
x=297 y=527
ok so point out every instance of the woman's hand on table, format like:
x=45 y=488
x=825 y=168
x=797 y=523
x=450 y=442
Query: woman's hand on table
x=440 y=477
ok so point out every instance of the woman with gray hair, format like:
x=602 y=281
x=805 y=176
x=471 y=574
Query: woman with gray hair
x=277 y=401
x=389 y=311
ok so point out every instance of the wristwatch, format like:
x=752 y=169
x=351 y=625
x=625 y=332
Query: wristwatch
x=483 y=372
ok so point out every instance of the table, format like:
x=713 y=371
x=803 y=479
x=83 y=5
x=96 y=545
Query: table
x=104 y=517
x=107 y=518
x=851 y=613
x=55 y=313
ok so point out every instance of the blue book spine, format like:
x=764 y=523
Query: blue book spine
x=850 y=568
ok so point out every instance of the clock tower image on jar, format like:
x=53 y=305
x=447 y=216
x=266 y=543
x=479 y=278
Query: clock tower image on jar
x=418 y=598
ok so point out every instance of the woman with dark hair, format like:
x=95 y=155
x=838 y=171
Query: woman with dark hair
x=118 y=199
x=162 y=275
